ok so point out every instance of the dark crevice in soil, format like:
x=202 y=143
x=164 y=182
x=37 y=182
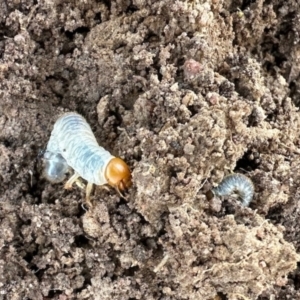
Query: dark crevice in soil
x=80 y=30
x=131 y=271
x=131 y=9
x=106 y=2
x=246 y=4
x=249 y=162
x=53 y=294
x=81 y=241
x=275 y=214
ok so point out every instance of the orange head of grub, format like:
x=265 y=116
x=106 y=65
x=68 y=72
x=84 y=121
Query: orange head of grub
x=118 y=175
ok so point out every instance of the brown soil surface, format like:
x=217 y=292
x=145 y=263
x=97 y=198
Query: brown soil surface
x=186 y=92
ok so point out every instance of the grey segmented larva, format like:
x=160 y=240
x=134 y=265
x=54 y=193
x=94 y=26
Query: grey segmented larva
x=236 y=183
x=73 y=144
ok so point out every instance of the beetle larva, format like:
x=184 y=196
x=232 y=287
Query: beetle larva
x=73 y=139
x=236 y=183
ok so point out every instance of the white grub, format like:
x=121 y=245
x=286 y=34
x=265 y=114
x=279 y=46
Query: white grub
x=236 y=183
x=72 y=143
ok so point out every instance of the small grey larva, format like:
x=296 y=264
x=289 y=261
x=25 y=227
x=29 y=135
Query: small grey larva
x=73 y=144
x=236 y=183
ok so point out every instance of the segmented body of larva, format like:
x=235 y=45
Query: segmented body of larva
x=236 y=183
x=73 y=139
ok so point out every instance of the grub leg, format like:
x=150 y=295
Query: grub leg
x=71 y=180
x=80 y=184
x=89 y=189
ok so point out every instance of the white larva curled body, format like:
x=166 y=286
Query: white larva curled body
x=236 y=183
x=73 y=144
x=73 y=139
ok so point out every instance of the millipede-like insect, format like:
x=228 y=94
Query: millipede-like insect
x=235 y=183
x=73 y=144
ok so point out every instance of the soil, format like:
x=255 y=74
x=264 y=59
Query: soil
x=186 y=92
